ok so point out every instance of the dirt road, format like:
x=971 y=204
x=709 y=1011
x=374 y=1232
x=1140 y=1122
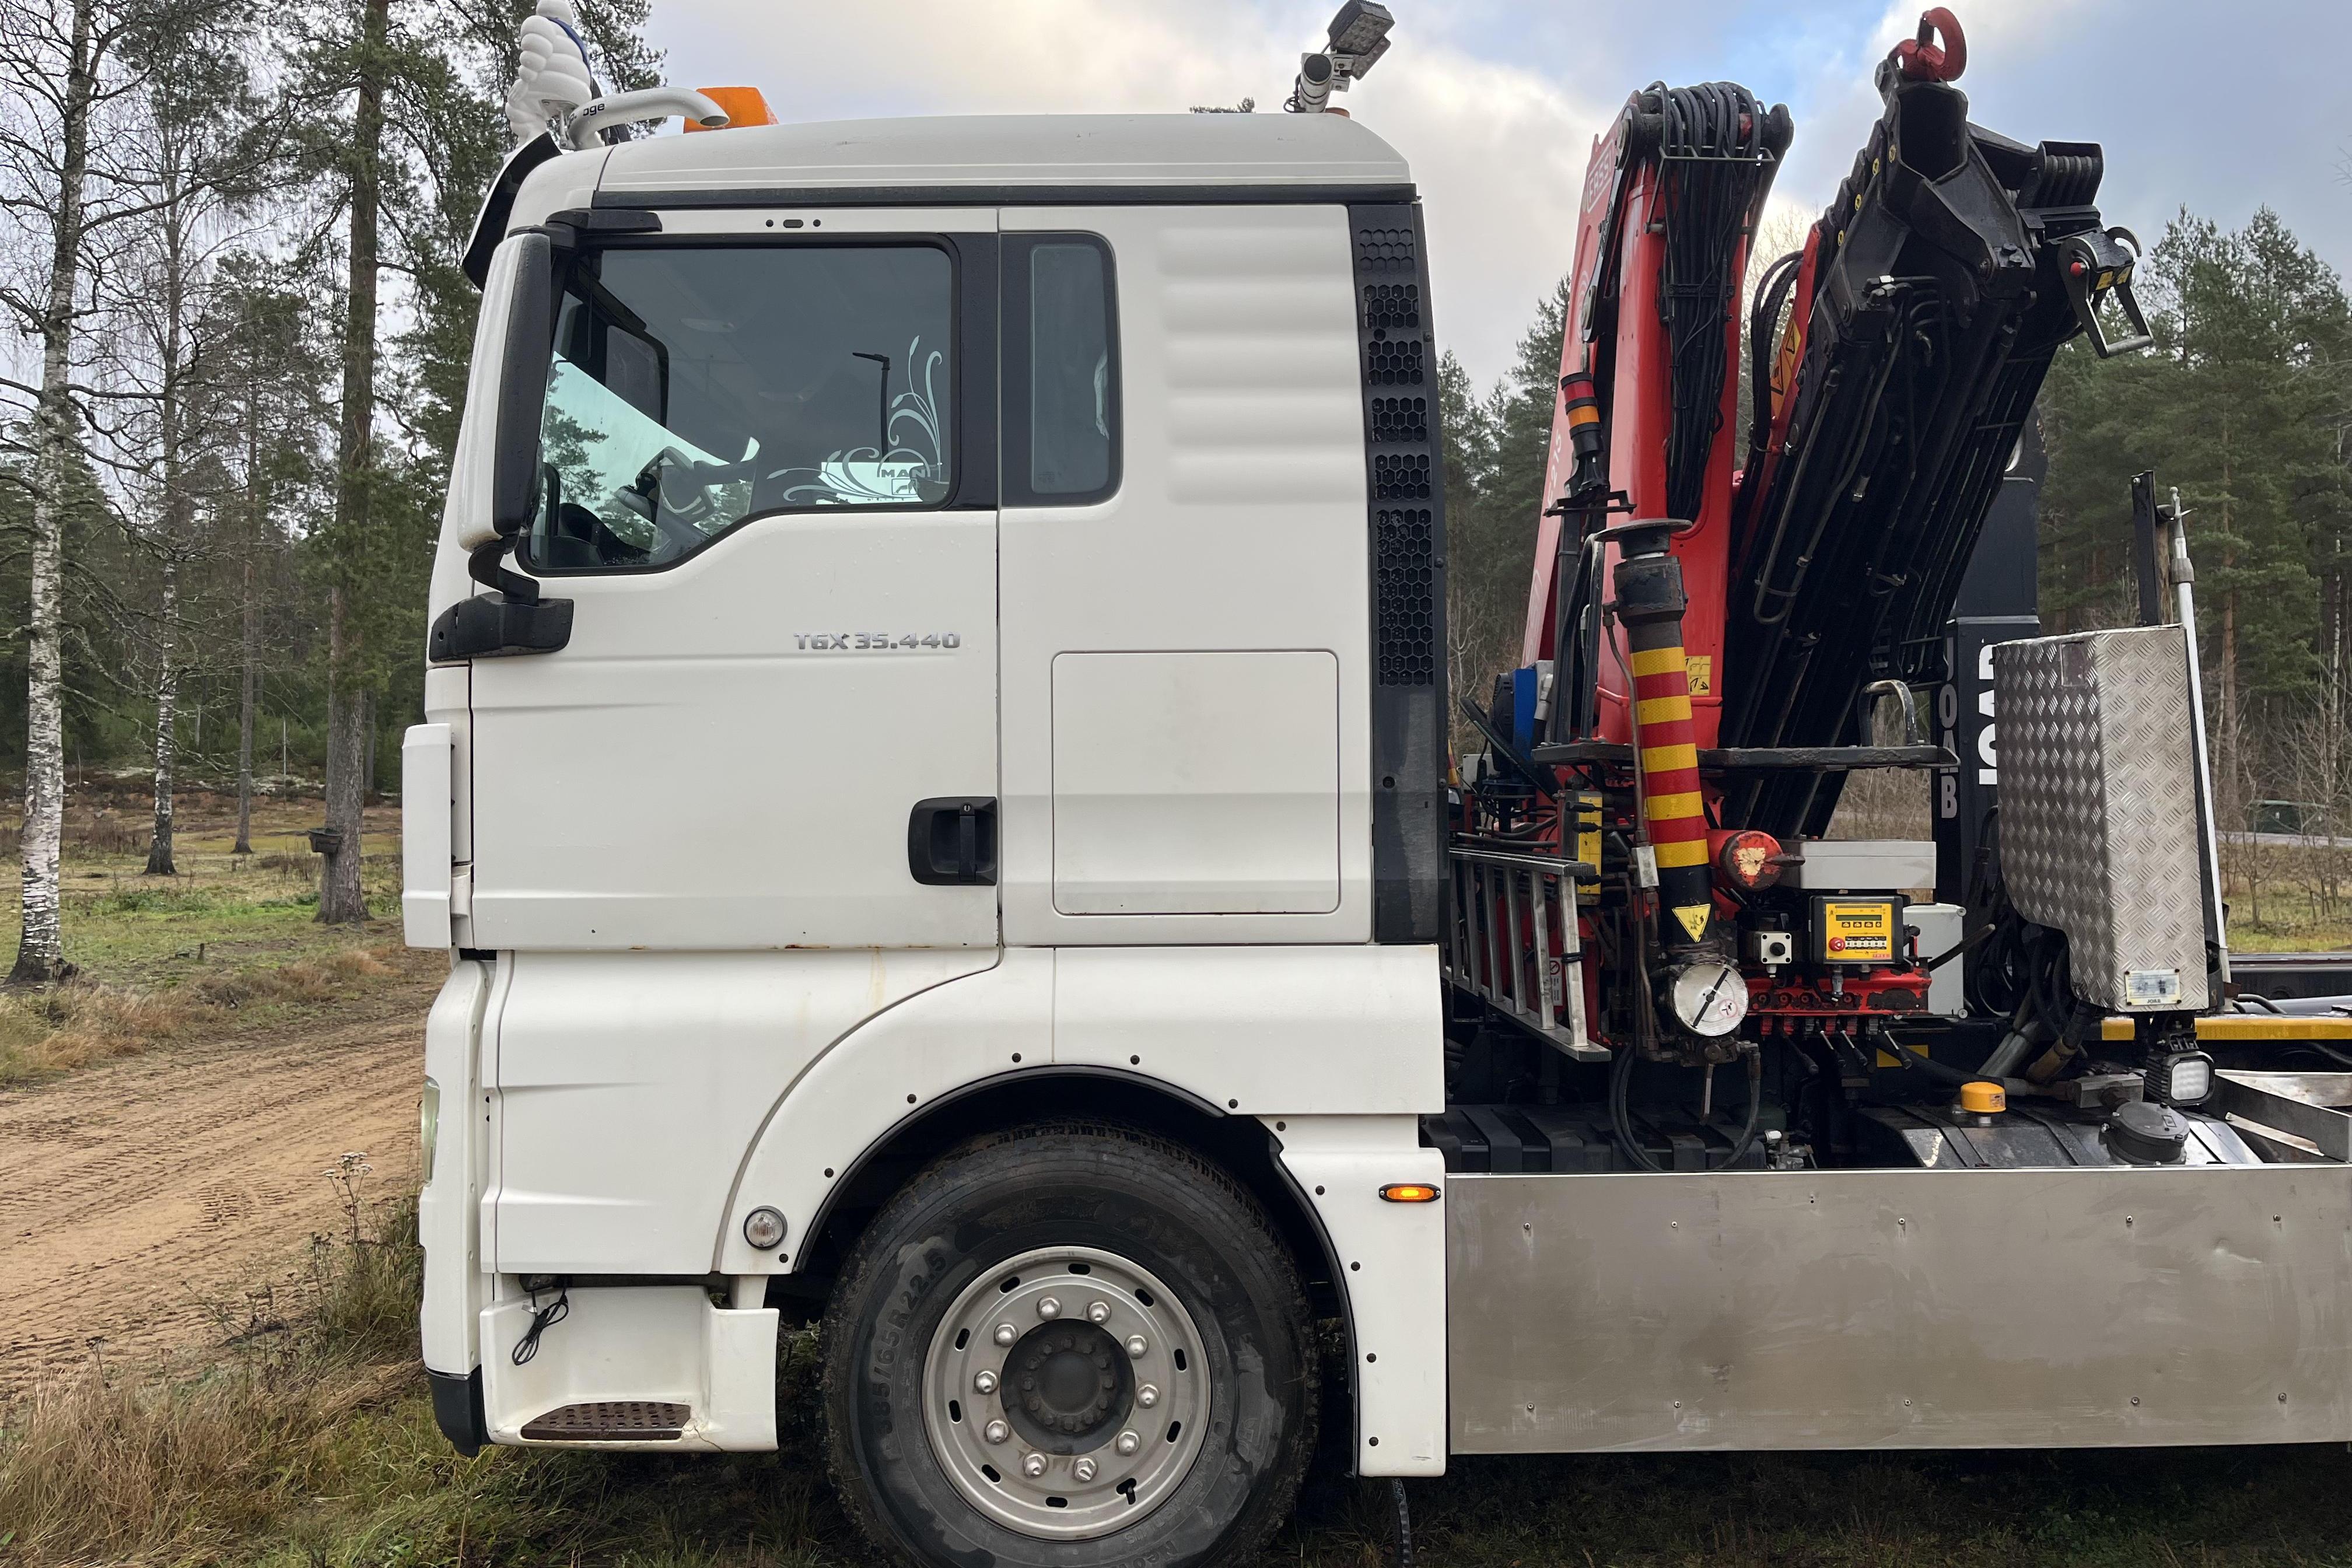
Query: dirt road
x=155 y=1203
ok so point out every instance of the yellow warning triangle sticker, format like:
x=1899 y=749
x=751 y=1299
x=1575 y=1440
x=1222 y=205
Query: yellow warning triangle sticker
x=1694 y=919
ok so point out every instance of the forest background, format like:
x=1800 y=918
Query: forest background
x=230 y=255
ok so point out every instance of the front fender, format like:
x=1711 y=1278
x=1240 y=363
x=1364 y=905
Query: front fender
x=849 y=1098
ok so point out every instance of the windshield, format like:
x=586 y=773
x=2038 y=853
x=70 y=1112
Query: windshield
x=692 y=387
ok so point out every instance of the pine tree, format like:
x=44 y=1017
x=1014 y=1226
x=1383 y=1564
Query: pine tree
x=2240 y=405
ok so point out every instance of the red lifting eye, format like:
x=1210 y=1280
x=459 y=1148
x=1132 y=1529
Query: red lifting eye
x=1750 y=860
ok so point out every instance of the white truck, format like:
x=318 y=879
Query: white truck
x=934 y=787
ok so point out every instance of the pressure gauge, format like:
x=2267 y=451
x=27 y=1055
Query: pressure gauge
x=1709 y=998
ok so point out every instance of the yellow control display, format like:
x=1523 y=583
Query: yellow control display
x=1856 y=930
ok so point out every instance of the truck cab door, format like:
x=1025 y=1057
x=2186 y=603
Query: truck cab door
x=769 y=488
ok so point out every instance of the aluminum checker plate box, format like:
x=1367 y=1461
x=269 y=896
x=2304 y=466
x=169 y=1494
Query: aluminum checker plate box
x=2098 y=810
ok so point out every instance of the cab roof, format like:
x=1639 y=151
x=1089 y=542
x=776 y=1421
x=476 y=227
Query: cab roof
x=977 y=159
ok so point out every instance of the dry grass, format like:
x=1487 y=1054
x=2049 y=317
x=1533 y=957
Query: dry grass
x=78 y=1023
x=125 y=1470
x=181 y=1464
x=309 y=980
x=43 y=1034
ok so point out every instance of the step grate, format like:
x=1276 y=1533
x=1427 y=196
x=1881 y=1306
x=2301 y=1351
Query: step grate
x=614 y=1421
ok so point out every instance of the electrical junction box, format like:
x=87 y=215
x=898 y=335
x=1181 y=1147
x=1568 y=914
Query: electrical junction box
x=1861 y=865
x=1854 y=931
x=1940 y=929
x=2099 y=832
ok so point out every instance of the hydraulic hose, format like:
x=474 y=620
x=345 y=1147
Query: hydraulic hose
x=1942 y=1072
x=1773 y=292
x=1621 y=1116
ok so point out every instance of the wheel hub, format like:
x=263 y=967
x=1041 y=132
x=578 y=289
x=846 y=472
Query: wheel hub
x=1068 y=1377
x=1065 y=1392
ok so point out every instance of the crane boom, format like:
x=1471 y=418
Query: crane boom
x=1921 y=316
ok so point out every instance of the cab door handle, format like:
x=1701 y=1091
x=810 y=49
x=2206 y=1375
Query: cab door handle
x=951 y=841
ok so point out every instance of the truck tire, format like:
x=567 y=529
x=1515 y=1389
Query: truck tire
x=1069 y=1346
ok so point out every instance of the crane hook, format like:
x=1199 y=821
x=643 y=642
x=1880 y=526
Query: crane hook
x=1922 y=60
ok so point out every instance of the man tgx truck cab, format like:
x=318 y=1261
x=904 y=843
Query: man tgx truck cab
x=943 y=763
x=934 y=786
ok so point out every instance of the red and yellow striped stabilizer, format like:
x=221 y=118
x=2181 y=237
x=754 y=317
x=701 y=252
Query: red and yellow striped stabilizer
x=1674 y=808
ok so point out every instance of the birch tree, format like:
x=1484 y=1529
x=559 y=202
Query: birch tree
x=59 y=77
x=195 y=150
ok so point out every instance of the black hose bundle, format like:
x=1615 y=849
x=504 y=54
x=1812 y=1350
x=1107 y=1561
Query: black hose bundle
x=1715 y=160
x=1772 y=290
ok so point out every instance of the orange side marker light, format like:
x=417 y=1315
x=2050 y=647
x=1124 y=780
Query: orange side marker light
x=1409 y=1192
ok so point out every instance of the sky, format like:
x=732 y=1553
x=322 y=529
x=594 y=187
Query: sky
x=2219 y=107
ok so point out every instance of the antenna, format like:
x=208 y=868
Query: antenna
x=1359 y=38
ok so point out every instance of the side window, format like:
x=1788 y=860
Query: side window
x=695 y=386
x=1061 y=370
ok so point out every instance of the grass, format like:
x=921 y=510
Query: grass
x=229 y=936
x=2288 y=897
x=304 y=1437
x=2282 y=898
x=308 y=1442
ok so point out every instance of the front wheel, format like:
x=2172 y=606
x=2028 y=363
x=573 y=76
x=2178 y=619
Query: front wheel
x=1070 y=1347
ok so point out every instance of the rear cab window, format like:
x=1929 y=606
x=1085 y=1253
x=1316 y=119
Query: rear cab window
x=1061 y=370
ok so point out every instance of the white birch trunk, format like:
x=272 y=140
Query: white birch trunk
x=40 y=950
x=167 y=682
x=251 y=660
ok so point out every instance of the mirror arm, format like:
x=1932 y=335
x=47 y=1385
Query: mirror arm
x=487 y=565
x=511 y=619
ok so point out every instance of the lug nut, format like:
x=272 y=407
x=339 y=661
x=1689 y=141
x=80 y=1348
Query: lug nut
x=1048 y=1308
x=1033 y=1465
x=1006 y=1334
x=996 y=1432
x=1147 y=1396
x=983 y=1382
x=1136 y=1346
x=1084 y=1469
x=1098 y=1312
x=1128 y=1443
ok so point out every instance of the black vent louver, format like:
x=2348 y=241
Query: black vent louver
x=1404 y=485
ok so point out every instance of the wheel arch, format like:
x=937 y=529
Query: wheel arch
x=1241 y=1145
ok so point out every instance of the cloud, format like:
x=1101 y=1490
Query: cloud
x=1496 y=102
x=1497 y=149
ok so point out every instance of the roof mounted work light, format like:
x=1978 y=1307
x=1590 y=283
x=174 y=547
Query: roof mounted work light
x=1358 y=37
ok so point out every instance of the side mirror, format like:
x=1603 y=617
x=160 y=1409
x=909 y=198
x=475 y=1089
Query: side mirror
x=512 y=618
x=522 y=387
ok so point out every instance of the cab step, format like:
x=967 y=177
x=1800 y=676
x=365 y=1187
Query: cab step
x=616 y=1421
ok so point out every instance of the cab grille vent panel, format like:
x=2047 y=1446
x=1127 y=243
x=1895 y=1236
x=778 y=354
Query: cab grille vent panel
x=1405 y=499
x=1383 y=250
x=1408 y=598
x=1391 y=306
x=1393 y=363
x=1401 y=477
x=1400 y=419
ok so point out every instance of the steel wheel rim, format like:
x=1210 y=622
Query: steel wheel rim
x=974 y=1391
